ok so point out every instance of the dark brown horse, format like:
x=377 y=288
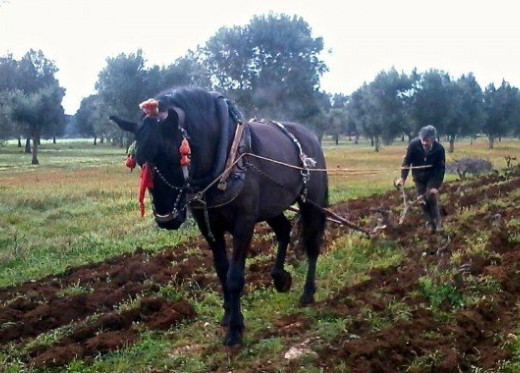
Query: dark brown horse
x=273 y=171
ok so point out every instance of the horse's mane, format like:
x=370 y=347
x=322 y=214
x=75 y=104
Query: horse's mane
x=198 y=104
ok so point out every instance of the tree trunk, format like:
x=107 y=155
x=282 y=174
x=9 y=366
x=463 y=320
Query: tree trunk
x=452 y=144
x=54 y=139
x=491 y=142
x=377 y=144
x=28 y=146
x=19 y=141
x=95 y=140
x=336 y=139
x=36 y=141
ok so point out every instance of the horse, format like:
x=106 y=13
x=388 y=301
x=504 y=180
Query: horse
x=187 y=146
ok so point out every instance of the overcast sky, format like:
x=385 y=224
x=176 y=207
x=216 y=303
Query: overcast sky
x=364 y=37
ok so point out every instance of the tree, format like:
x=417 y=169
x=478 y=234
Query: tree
x=469 y=114
x=122 y=85
x=32 y=97
x=271 y=67
x=388 y=93
x=8 y=127
x=359 y=111
x=434 y=102
x=185 y=71
x=38 y=111
x=337 y=116
x=502 y=107
x=35 y=72
x=379 y=108
x=92 y=120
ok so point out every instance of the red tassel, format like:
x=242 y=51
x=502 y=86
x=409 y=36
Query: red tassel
x=145 y=181
x=185 y=151
x=150 y=107
x=130 y=162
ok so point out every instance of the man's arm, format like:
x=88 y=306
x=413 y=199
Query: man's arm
x=439 y=168
x=407 y=161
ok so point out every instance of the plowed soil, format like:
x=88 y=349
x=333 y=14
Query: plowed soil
x=477 y=211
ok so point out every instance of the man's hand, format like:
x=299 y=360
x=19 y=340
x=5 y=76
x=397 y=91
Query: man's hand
x=399 y=183
x=433 y=191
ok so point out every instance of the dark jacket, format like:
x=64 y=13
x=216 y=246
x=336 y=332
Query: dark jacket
x=416 y=156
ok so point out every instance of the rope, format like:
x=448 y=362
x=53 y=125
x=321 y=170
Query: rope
x=328 y=169
x=331 y=171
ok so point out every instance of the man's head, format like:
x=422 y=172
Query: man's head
x=427 y=134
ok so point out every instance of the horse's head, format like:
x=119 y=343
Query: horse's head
x=158 y=151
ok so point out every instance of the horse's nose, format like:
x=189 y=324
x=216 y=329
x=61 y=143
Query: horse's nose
x=173 y=223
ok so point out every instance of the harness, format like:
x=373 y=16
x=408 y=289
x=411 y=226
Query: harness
x=307 y=162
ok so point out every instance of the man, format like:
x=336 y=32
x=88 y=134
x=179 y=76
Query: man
x=427 y=159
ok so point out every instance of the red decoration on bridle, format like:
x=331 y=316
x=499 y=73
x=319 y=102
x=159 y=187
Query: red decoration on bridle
x=145 y=181
x=185 y=151
x=130 y=162
x=150 y=107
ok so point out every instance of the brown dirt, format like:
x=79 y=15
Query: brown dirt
x=474 y=336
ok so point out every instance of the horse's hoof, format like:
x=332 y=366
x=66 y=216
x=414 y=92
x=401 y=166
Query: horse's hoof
x=224 y=324
x=282 y=281
x=233 y=341
x=233 y=350
x=306 y=300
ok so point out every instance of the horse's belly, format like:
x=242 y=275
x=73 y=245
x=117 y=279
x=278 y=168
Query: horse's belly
x=273 y=201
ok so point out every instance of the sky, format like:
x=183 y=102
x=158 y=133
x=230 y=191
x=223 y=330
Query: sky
x=362 y=37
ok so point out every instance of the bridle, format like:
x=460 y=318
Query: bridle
x=176 y=205
x=151 y=109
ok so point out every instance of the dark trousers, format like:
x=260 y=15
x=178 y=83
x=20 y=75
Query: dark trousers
x=430 y=208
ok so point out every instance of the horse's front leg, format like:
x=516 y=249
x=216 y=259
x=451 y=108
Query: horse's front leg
x=242 y=235
x=217 y=243
x=221 y=263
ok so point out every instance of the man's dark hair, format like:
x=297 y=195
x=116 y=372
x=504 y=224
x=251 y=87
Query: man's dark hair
x=428 y=132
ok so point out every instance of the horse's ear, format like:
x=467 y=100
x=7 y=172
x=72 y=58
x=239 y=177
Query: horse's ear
x=124 y=124
x=173 y=120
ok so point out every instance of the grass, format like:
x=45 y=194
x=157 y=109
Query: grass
x=80 y=206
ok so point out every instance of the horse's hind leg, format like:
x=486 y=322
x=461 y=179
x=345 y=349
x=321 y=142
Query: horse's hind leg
x=313 y=226
x=282 y=229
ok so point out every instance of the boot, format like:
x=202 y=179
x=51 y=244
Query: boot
x=430 y=227
x=437 y=223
